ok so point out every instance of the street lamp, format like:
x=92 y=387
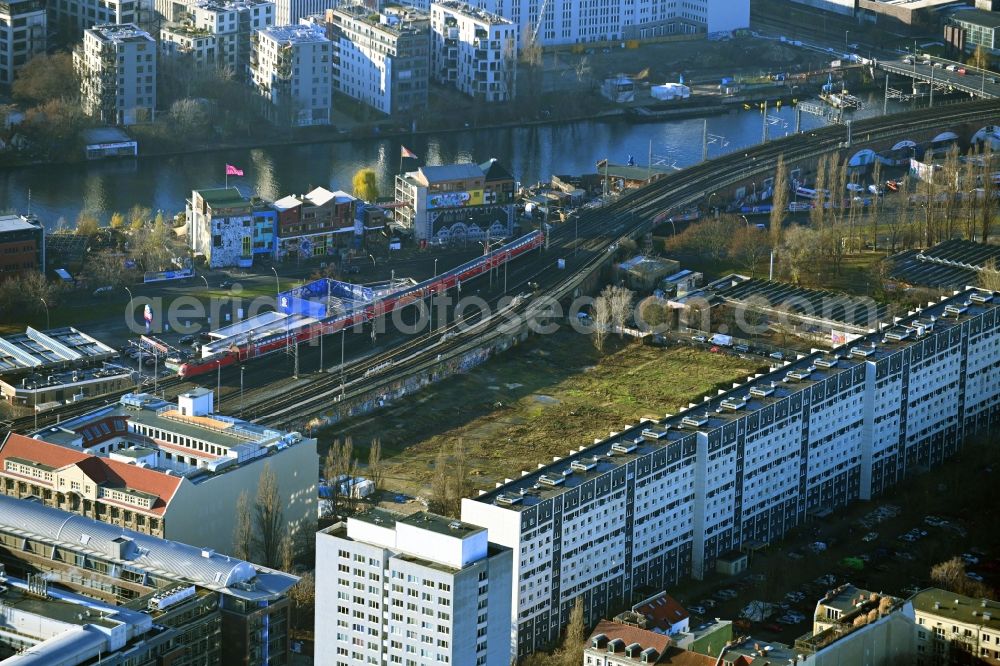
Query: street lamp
x=713 y=194
x=372 y=257
x=435 y=267
x=47 y=324
x=746 y=220
x=277 y=284
x=846 y=32
x=205 y=279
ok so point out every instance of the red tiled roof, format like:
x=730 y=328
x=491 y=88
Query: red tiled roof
x=630 y=634
x=663 y=612
x=103 y=471
x=677 y=657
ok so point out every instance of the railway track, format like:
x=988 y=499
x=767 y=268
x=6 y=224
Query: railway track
x=594 y=232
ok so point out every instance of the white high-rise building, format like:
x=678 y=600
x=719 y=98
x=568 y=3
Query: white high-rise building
x=22 y=35
x=473 y=50
x=290 y=68
x=563 y=22
x=290 y=11
x=666 y=499
x=218 y=33
x=382 y=60
x=117 y=70
x=420 y=589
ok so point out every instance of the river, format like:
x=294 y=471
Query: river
x=60 y=192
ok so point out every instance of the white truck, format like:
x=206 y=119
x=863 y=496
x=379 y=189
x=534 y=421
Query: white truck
x=722 y=340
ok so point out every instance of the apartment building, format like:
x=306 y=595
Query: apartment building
x=117 y=70
x=22 y=245
x=316 y=224
x=290 y=69
x=566 y=22
x=663 y=499
x=456 y=203
x=217 y=33
x=88 y=592
x=417 y=589
x=290 y=12
x=473 y=50
x=23 y=34
x=381 y=62
x=227 y=228
x=171 y=470
x=73 y=18
x=955 y=629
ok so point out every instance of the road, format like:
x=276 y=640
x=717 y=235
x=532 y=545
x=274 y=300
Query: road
x=934 y=71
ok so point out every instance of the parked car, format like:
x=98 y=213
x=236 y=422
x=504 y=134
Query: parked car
x=226 y=284
x=699 y=338
x=742 y=348
x=972 y=575
x=186 y=339
x=778 y=356
x=697 y=610
x=969 y=558
x=707 y=603
x=725 y=594
x=871 y=536
x=352 y=270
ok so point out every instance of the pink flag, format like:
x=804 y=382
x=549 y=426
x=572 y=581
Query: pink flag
x=233 y=171
x=406 y=152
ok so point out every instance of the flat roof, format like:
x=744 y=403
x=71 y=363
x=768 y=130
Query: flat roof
x=295 y=34
x=120 y=33
x=677 y=434
x=958 y=607
x=223 y=197
x=978 y=17
x=469 y=10
x=820 y=304
x=948 y=265
x=10 y=223
x=433 y=522
x=35 y=349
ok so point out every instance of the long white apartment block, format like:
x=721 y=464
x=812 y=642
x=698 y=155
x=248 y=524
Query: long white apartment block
x=23 y=35
x=419 y=590
x=565 y=22
x=664 y=499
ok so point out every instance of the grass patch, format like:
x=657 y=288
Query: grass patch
x=535 y=402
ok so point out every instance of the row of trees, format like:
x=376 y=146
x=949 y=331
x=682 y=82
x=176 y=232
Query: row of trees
x=570 y=651
x=25 y=293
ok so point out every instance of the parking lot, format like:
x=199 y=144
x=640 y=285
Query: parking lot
x=888 y=545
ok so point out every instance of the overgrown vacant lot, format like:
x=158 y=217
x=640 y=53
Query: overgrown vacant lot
x=534 y=402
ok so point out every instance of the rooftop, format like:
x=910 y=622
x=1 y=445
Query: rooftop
x=609 y=634
x=818 y=304
x=957 y=607
x=677 y=434
x=845 y=598
x=105 y=135
x=223 y=197
x=142 y=552
x=469 y=10
x=433 y=522
x=35 y=349
x=103 y=472
x=295 y=34
x=120 y=34
x=447 y=172
x=661 y=612
x=10 y=223
x=978 y=17
x=397 y=24
x=952 y=264
x=229 y=5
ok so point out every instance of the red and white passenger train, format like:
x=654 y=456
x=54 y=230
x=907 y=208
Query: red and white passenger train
x=383 y=306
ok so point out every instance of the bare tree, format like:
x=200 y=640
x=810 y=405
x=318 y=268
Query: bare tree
x=601 y=320
x=450 y=482
x=989 y=276
x=376 y=469
x=570 y=652
x=287 y=554
x=620 y=299
x=337 y=466
x=949 y=575
x=988 y=208
x=303 y=601
x=243 y=529
x=269 y=519
x=817 y=214
x=779 y=201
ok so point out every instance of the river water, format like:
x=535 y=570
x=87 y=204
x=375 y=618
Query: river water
x=533 y=153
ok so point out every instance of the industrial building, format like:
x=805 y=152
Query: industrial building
x=117 y=69
x=43 y=367
x=87 y=592
x=457 y=203
x=421 y=588
x=22 y=245
x=663 y=499
x=171 y=470
x=474 y=50
x=383 y=61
